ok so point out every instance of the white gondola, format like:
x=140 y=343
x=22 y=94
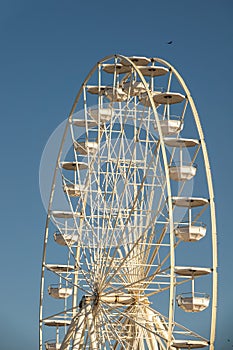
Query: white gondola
x=53 y=322
x=137 y=60
x=86 y=147
x=145 y=101
x=59 y=214
x=84 y=123
x=55 y=344
x=190 y=232
x=162 y=98
x=102 y=114
x=153 y=71
x=97 y=90
x=168 y=98
x=170 y=126
x=182 y=172
x=193 y=302
x=189 y=202
x=74 y=190
x=64 y=239
x=52 y=345
x=114 y=94
x=192 y=271
x=189 y=344
x=135 y=88
x=59 y=292
x=74 y=165
x=181 y=142
x=117 y=68
x=60 y=268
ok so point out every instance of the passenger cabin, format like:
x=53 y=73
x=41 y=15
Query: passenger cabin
x=162 y=98
x=117 y=68
x=54 y=322
x=52 y=345
x=102 y=114
x=60 y=268
x=74 y=165
x=74 y=190
x=135 y=88
x=193 y=301
x=190 y=231
x=59 y=291
x=114 y=94
x=153 y=71
x=65 y=239
x=170 y=126
x=86 y=147
x=59 y=214
x=85 y=123
x=179 y=170
x=189 y=344
x=55 y=344
x=137 y=60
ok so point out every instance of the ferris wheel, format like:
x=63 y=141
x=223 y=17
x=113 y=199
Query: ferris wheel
x=130 y=258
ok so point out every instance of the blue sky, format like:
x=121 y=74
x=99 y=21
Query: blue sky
x=47 y=49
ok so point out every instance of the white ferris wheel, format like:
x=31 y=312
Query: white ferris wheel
x=130 y=263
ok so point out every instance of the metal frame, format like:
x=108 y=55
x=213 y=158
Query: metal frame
x=85 y=319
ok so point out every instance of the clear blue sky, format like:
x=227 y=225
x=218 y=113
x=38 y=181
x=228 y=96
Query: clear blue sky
x=47 y=49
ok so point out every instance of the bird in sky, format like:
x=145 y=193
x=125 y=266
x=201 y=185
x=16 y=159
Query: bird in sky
x=169 y=42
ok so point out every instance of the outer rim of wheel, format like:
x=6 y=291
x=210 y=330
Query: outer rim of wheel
x=211 y=194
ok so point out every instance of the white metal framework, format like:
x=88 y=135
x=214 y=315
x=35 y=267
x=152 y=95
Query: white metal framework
x=127 y=262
